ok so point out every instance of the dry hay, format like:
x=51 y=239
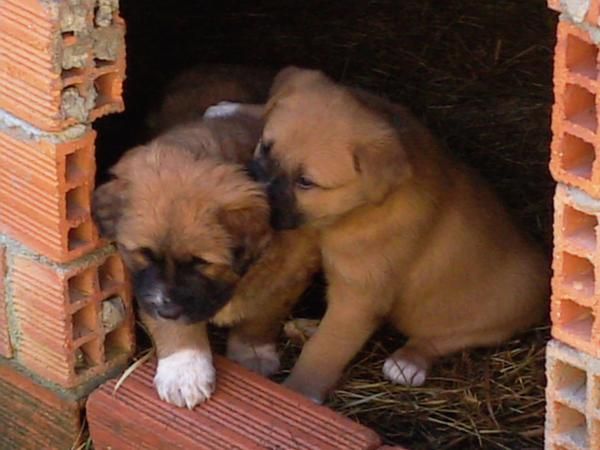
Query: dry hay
x=488 y=398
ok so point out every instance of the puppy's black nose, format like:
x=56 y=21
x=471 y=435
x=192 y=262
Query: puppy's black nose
x=169 y=311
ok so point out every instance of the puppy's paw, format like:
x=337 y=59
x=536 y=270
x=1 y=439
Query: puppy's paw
x=222 y=109
x=262 y=359
x=185 y=378
x=406 y=371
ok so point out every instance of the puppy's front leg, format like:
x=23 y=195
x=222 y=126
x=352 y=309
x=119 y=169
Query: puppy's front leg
x=346 y=326
x=185 y=375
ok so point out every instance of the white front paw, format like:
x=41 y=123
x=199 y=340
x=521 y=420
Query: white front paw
x=222 y=109
x=404 y=371
x=185 y=378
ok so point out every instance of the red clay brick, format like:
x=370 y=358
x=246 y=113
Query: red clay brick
x=33 y=417
x=33 y=77
x=45 y=194
x=5 y=345
x=575 y=293
x=58 y=310
x=247 y=411
x=572 y=398
x=575 y=113
x=590 y=16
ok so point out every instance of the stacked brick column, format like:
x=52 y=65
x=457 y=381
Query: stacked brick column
x=573 y=356
x=66 y=318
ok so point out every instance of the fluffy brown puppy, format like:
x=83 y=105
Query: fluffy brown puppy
x=189 y=223
x=407 y=234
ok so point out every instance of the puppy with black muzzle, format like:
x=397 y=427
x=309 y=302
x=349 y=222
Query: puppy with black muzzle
x=190 y=225
x=407 y=234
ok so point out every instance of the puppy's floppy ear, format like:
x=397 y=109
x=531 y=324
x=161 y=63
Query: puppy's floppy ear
x=382 y=165
x=247 y=220
x=107 y=206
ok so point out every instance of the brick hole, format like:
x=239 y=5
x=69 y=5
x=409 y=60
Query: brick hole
x=81 y=286
x=571 y=382
x=580 y=228
x=112 y=313
x=577 y=156
x=110 y=273
x=75 y=167
x=80 y=235
x=117 y=342
x=84 y=321
x=571 y=424
x=578 y=275
x=69 y=74
x=581 y=57
x=576 y=319
x=580 y=107
x=102 y=63
x=78 y=203
x=88 y=356
x=104 y=85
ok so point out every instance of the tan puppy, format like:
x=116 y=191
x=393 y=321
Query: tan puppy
x=407 y=234
x=189 y=223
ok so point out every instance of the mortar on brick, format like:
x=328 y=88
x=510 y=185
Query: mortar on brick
x=107 y=43
x=583 y=201
x=76 y=105
x=74 y=15
x=105 y=11
x=576 y=9
x=571 y=425
x=113 y=314
x=593 y=31
x=20 y=129
x=75 y=56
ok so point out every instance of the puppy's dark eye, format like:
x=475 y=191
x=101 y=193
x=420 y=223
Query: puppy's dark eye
x=305 y=183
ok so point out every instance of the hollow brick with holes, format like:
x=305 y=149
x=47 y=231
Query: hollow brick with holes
x=246 y=411
x=572 y=398
x=574 y=153
x=45 y=194
x=60 y=65
x=576 y=267
x=60 y=313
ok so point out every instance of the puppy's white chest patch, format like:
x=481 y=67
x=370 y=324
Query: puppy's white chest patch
x=185 y=378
